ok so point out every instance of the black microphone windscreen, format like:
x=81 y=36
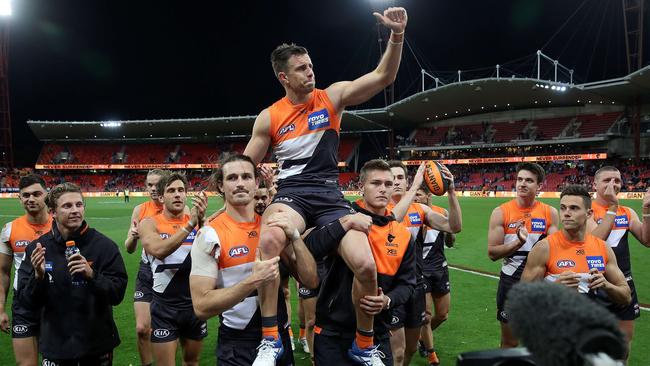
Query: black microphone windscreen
x=558 y=325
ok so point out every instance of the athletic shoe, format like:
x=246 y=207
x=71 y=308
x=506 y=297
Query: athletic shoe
x=268 y=352
x=304 y=344
x=370 y=356
x=433 y=359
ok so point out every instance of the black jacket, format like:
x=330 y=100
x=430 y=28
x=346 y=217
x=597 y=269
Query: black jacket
x=76 y=319
x=394 y=252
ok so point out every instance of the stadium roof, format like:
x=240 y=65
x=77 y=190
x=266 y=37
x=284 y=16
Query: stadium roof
x=457 y=99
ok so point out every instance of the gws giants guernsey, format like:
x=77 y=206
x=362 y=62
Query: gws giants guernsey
x=433 y=251
x=225 y=250
x=171 y=275
x=17 y=234
x=305 y=139
x=537 y=219
x=148 y=209
x=617 y=238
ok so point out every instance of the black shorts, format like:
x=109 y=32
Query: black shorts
x=412 y=313
x=332 y=349
x=437 y=282
x=105 y=359
x=168 y=324
x=242 y=352
x=505 y=284
x=318 y=207
x=143 y=283
x=630 y=311
x=25 y=322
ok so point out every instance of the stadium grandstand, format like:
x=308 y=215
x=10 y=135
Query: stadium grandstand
x=481 y=127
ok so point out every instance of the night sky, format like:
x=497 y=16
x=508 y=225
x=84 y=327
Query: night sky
x=112 y=60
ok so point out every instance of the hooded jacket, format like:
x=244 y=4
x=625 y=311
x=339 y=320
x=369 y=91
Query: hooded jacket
x=394 y=253
x=76 y=316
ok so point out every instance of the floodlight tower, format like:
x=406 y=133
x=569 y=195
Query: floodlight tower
x=6 y=147
x=633 y=14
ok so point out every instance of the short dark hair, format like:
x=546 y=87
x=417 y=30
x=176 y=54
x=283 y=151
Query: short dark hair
x=217 y=174
x=281 y=55
x=606 y=168
x=398 y=164
x=29 y=180
x=59 y=190
x=534 y=168
x=370 y=165
x=168 y=179
x=577 y=190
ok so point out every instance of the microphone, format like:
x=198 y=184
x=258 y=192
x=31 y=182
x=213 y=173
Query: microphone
x=561 y=327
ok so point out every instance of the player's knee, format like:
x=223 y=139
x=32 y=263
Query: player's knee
x=143 y=331
x=272 y=241
x=398 y=356
x=365 y=269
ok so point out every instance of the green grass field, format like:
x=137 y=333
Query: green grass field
x=471 y=325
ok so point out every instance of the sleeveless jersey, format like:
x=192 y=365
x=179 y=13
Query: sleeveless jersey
x=537 y=219
x=576 y=256
x=171 y=275
x=148 y=209
x=617 y=238
x=433 y=247
x=18 y=234
x=305 y=140
x=231 y=246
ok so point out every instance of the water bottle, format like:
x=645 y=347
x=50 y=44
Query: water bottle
x=70 y=250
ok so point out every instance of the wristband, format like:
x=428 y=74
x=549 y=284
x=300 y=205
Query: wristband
x=397 y=34
x=396 y=43
x=610 y=213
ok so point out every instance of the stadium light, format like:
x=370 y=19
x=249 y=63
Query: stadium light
x=5 y=8
x=110 y=124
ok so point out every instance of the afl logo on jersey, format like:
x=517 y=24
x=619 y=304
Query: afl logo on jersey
x=621 y=221
x=565 y=263
x=318 y=119
x=537 y=225
x=286 y=129
x=22 y=243
x=238 y=251
x=415 y=219
x=513 y=225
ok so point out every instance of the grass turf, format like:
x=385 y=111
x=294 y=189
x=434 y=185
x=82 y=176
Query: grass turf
x=471 y=325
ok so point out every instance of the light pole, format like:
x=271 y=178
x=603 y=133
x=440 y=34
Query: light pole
x=6 y=146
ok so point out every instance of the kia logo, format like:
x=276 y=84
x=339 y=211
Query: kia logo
x=161 y=333
x=20 y=329
x=138 y=295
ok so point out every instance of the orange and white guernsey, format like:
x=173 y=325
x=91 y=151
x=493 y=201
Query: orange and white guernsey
x=225 y=250
x=575 y=256
x=618 y=236
x=148 y=209
x=15 y=237
x=171 y=274
x=305 y=139
x=537 y=219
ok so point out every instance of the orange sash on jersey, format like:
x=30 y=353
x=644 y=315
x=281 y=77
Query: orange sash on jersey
x=23 y=232
x=237 y=240
x=149 y=209
x=537 y=218
x=289 y=120
x=575 y=256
